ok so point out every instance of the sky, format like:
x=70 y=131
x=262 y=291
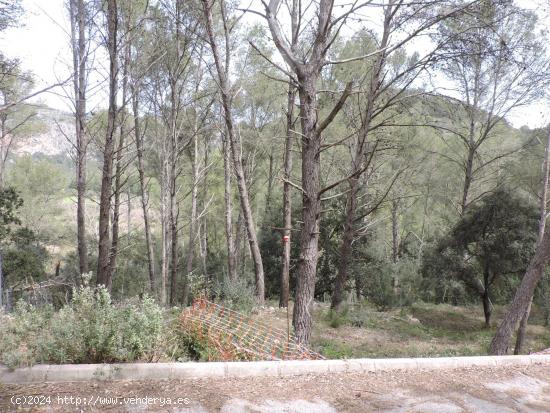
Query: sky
x=41 y=42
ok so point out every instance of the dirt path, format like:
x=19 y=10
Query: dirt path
x=498 y=390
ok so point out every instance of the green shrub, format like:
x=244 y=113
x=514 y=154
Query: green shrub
x=235 y=294
x=334 y=350
x=359 y=317
x=336 y=318
x=378 y=279
x=90 y=329
x=19 y=332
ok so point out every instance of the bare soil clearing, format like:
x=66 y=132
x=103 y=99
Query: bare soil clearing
x=462 y=390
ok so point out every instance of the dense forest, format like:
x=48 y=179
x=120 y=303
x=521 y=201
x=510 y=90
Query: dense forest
x=283 y=153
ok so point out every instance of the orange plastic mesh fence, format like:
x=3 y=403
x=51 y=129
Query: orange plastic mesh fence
x=231 y=335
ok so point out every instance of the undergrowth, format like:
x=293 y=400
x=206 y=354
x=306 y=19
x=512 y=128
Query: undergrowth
x=89 y=329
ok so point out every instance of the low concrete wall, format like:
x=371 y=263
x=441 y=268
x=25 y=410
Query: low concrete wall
x=141 y=371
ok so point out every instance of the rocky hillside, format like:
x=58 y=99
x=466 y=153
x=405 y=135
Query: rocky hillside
x=52 y=135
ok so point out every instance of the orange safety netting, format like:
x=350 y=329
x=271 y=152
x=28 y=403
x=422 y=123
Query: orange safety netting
x=230 y=335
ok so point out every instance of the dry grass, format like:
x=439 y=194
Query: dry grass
x=422 y=330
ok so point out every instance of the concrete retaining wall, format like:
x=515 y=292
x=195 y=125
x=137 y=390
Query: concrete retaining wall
x=140 y=371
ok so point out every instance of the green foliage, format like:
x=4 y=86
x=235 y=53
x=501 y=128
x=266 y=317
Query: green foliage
x=10 y=202
x=332 y=350
x=198 y=284
x=90 y=329
x=43 y=187
x=271 y=247
x=132 y=277
x=336 y=318
x=494 y=240
x=25 y=258
x=20 y=334
x=236 y=294
x=378 y=283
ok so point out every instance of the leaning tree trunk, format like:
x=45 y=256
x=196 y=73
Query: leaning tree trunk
x=522 y=298
x=236 y=151
x=103 y=261
x=247 y=215
x=486 y=308
x=542 y=224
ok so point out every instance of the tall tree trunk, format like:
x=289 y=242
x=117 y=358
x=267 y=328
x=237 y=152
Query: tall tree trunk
x=115 y=221
x=174 y=249
x=230 y=240
x=173 y=208
x=115 y=225
x=240 y=252
x=311 y=209
x=103 y=276
x=358 y=165
x=128 y=214
x=542 y=225
x=471 y=143
x=468 y=178
x=394 y=232
x=1 y=280
x=202 y=227
x=235 y=146
x=307 y=70
x=345 y=248
x=192 y=217
x=3 y=145
x=165 y=232
x=395 y=243
x=287 y=194
x=287 y=197
x=78 y=45
x=269 y=192
x=143 y=191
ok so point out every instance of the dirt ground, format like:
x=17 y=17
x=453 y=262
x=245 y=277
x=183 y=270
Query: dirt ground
x=498 y=390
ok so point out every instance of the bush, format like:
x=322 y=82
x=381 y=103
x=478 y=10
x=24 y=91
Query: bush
x=360 y=316
x=235 y=294
x=486 y=250
x=25 y=258
x=90 y=329
x=336 y=318
x=378 y=278
x=19 y=333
